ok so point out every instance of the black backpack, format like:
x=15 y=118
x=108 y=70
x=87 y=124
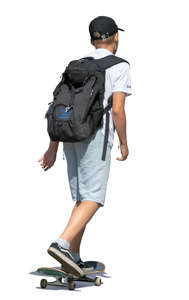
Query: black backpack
x=77 y=108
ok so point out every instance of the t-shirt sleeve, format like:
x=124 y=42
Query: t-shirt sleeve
x=122 y=80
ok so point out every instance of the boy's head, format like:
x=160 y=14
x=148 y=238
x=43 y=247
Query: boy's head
x=104 y=33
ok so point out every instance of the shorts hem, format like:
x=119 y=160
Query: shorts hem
x=102 y=203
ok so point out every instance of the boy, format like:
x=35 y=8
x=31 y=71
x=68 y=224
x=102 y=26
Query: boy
x=87 y=173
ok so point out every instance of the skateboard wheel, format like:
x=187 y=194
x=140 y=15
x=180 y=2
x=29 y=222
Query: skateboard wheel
x=43 y=283
x=71 y=285
x=70 y=279
x=97 y=281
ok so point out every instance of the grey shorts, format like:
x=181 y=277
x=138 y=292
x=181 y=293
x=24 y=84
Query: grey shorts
x=87 y=172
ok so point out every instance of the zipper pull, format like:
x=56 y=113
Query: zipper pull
x=68 y=108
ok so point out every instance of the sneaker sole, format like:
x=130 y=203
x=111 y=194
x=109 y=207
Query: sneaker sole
x=71 y=267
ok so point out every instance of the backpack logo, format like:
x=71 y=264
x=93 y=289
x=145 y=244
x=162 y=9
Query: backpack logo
x=64 y=113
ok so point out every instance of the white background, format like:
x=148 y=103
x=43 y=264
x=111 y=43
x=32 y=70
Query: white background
x=141 y=234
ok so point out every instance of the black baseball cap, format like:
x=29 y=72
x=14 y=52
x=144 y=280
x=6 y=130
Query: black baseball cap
x=102 y=27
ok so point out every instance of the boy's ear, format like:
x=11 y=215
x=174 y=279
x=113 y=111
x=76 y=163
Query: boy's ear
x=116 y=36
x=92 y=42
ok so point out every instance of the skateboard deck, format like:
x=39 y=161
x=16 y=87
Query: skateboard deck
x=60 y=273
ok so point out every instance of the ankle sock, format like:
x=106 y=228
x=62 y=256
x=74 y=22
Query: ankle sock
x=76 y=256
x=63 y=243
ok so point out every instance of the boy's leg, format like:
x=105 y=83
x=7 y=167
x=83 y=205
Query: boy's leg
x=60 y=249
x=76 y=242
x=79 y=219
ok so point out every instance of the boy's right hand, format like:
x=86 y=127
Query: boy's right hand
x=48 y=159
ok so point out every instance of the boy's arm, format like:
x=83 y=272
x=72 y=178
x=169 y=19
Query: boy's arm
x=119 y=119
x=119 y=116
x=53 y=146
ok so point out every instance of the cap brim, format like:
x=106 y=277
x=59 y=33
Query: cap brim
x=121 y=29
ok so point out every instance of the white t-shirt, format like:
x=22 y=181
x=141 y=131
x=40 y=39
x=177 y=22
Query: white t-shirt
x=117 y=79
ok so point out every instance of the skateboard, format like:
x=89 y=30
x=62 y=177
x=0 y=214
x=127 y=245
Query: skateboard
x=60 y=273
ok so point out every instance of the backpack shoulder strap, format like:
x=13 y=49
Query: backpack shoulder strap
x=109 y=61
x=103 y=64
